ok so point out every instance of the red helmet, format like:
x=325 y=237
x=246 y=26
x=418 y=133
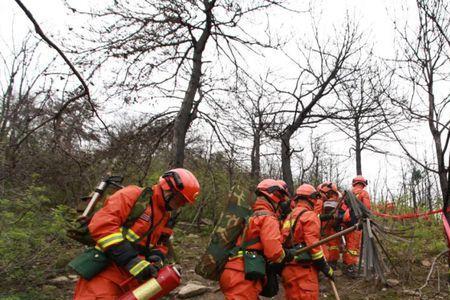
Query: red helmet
x=327 y=186
x=359 y=179
x=284 y=185
x=272 y=189
x=182 y=181
x=307 y=191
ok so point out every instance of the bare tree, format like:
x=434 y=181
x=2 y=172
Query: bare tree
x=426 y=61
x=252 y=115
x=363 y=102
x=325 y=65
x=160 y=48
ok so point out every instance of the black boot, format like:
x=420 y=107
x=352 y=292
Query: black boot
x=351 y=271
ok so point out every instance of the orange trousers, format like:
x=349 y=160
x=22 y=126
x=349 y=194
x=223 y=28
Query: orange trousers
x=300 y=283
x=331 y=249
x=234 y=286
x=351 y=254
x=102 y=288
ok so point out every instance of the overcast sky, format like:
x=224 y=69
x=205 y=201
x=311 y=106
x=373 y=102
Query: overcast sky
x=375 y=18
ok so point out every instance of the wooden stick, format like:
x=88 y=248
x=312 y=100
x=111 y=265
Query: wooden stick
x=327 y=239
x=335 y=291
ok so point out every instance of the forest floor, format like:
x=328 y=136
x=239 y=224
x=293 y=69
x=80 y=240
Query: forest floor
x=412 y=259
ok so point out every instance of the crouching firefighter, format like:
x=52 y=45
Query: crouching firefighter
x=301 y=229
x=133 y=249
x=245 y=272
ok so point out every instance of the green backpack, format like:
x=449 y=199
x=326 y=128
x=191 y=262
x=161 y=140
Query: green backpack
x=223 y=237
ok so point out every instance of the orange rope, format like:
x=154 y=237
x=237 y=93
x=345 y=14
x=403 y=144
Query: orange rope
x=408 y=215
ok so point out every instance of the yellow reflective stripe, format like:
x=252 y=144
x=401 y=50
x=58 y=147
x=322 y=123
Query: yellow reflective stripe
x=239 y=254
x=353 y=252
x=137 y=268
x=98 y=248
x=317 y=255
x=333 y=248
x=288 y=224
x=110 y=239
x=131 y=235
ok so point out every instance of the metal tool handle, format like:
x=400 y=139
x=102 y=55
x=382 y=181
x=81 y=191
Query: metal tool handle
x=98 y=193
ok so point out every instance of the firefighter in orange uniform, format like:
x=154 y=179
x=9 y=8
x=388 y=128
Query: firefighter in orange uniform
x=353 y=239
x=261 y=237
x=331 y=249
x=137 y=251
x=301 y=229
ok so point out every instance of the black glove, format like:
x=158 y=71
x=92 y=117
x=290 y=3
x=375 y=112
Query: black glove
x=156 y=252
x=289 y=254
x=121 y=253
x=142 y=269
x=156 y=261
x=324 y=267
x=124 y=255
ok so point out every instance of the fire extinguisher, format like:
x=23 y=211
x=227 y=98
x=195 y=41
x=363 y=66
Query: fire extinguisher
x=168 y=279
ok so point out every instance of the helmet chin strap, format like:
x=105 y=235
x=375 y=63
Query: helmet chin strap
x=272 y=204
x=167 y=200
x=307 y=200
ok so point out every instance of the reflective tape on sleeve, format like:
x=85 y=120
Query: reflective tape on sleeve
x=137 y=268
x=110 y=240
x=317 y=255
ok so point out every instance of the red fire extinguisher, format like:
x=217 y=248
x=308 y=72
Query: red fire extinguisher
x=168 y=279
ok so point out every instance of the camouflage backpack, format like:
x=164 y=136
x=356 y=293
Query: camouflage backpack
x=224 y=237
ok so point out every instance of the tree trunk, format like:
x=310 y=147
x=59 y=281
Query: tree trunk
x=286 y=160
x=185 y=114
x=255 y=172
x=358 y=149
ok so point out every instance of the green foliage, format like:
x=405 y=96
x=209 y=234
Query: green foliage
x=33 y=246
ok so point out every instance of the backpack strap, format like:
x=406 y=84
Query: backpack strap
x=250 y=242
x=136 y=211
x=292 y=228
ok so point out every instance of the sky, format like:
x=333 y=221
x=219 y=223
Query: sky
x=375 y=18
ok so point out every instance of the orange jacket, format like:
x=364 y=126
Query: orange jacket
x=362 y=195
x=106 y=226
x=307 y=229
x=267 y=229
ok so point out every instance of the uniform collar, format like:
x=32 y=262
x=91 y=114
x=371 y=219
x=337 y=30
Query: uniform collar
x=262 y=204
x=158 y=197
x=304 y=204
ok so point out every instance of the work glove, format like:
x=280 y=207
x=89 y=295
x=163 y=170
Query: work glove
x=124 y=255
x=324 y=267
x=156 y=261
x=142 y=269
x=289 y=254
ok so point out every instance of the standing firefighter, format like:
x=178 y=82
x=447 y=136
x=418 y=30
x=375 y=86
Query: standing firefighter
x=301 y=229
x=353 y=239
x=331 y=194
x=244 y=272
x=135 y=251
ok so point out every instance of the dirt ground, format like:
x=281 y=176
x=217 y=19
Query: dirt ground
x=405 y=284
x=190 y=244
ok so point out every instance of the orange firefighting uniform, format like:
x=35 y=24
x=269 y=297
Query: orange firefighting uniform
x=331 y=249
x=353 y=239
x=267 y=227
x=300 y=280
x=106 y=229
